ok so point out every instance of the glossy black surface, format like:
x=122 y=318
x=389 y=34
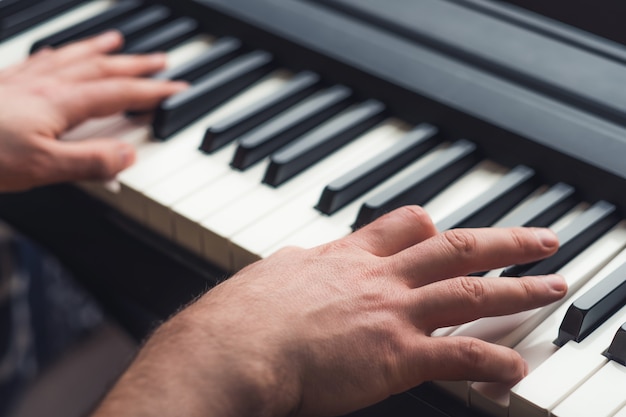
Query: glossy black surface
x=349 y=186
x=209 y=92
x=164 y=37
x=90 y=26
x=591 y=309
x=617 y=349
x=493 y=203
x=420 y=184
x=573 y=239
x=225 y=131
x=286 y=127
x=544 y=210
x=310 y=148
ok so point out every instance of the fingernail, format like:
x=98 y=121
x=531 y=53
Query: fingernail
x=158 y=59
x=180 y=85
x=525 y=369
x=109 y=39
x=126 y=155
x=556 y=282
x=547 y=237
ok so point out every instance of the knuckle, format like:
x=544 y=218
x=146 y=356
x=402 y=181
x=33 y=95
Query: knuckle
x=473 y=289
x=462 y=242
x=473 y=351
x=288 y=251
x=520 y=239
x=98 y=165
x=103 y=65
x=528 y=287
x=413 y=214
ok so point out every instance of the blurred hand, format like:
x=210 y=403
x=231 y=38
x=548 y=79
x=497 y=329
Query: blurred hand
x=53 y=91
x=341 y=326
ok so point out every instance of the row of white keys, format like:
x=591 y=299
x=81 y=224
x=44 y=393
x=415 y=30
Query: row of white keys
x=537 y=347
x=16 y=49
x=135 y=130
x=558 y=225
x=233 y=195
x=554 y=372
x=167 y=158
x=328 y=228
x=621 y=412
x=274 y=231
x=510 y=330
x=198 y=170
x=219 y=227
x=602 y=395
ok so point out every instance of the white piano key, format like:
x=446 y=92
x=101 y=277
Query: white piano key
x=621 y=413
x=162 y=196
x=189 y=50
x=556 y=226
x=219 y=227
x=510 y=330
x=188 y=213
x=135 y=131
x=565 y=371
x=602 y=395
x=466 y=188
x=157 y=161
x=261 y=238
x=537 y=392
x=329 y=228
x=178 y=169
x=16 y=49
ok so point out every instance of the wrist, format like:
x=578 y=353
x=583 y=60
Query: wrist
x=243 y=374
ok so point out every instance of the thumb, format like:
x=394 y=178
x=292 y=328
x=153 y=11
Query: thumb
x=94 y=159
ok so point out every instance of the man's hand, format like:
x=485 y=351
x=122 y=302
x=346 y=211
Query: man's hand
x=341 y=326
x=53 y=91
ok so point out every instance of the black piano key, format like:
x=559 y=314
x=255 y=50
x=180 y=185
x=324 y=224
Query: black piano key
x=219 y=54
x=617 y=349
x=209 y=92
x=282 y=129
x=225 y=131
x=164 y=37
x=26 y=18
x=574 y=238
x=544 y=210
x=9 y=7
x=320 y=142
x=592 y=308
x=139 y=24
x=354 y=183
x=421 y=184
x=493 y=203
x=89 y=27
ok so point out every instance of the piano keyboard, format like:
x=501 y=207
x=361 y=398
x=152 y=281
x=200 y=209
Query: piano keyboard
x=258 y=155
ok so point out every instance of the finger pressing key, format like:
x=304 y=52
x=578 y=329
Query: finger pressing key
x=464 y=299
x=114 y=66
x=469 y=359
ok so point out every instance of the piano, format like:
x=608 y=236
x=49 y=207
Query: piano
x=308 y=118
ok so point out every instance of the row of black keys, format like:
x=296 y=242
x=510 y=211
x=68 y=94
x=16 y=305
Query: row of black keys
x=298 y=126
x=287 y=128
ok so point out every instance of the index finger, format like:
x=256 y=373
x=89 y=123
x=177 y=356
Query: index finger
x=49 y=60
x=105 y=97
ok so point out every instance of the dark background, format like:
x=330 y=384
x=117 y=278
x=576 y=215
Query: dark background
x=602 y=17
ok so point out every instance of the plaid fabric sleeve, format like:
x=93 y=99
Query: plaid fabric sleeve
x=42 y=313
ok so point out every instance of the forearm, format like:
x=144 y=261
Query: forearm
x=185 y=370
